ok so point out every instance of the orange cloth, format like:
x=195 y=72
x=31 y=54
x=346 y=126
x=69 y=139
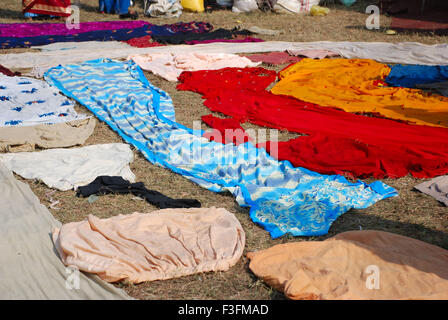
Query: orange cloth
x=352 y=85
x=338 y=268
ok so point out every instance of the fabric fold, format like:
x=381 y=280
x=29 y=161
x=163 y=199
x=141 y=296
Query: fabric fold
x=160 y=245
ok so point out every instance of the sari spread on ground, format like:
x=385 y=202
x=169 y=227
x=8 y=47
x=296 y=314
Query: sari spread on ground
x=282 y=199
x=48 y=7
x=338 y=142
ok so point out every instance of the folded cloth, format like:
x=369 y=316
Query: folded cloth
x=160 y=245
x=437 y=188
x=107 y=184
x=45 y=136
x=48 y=7
x=65 y=169
x=356 y=265
x=170 y=66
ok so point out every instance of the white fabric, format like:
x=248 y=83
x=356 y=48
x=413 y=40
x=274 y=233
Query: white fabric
x=84 y=45
x=170 y=66
x=65 y=169
x=244 y=6
x=163 y=8
x=29 y=265
x=28 y=102
x=405 y=52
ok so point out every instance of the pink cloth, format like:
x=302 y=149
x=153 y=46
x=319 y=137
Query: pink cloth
x=169 y=65
x=160 y=245
x=21 y=30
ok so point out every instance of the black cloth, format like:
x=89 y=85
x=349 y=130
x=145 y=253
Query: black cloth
x=107 y=184
x=181 y=38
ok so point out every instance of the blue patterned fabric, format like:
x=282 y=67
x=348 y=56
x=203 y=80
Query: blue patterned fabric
x=413 y=75
x=282 y=199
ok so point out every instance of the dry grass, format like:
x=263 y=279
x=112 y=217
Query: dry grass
x=412 y=213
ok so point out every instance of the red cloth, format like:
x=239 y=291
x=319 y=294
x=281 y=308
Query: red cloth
x=235 y=133
x=274 y=58
x=143 y=42
x=49 y=7
x=338 y=143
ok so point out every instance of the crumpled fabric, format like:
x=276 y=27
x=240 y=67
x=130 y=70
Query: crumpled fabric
x=117 y=185
x=282 y=199
x=66 y=169
x=338 y=142
x=163 y=8
x=355 y=265
x=170 y=66
x=26 y=101
x=412 y=76
x=160 y=245
x=45 y=136
x=355 y=85
x=273 y=58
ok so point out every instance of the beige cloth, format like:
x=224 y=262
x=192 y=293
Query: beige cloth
x=45 y=136
x=29 y=265
x=338 y=268
x=164 y=244
x=437 y=188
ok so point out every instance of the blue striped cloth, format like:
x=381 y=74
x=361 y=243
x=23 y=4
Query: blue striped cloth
x=282 y=199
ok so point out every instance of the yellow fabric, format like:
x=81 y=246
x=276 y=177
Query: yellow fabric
x=350 y=84
x=193 y=5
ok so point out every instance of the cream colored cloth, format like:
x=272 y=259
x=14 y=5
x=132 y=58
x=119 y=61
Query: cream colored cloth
x=169 y=66
x=65 y=169
x=45 y=136
x=404 y=52
x=163 y=244
x=355 y=265
x=29 y=265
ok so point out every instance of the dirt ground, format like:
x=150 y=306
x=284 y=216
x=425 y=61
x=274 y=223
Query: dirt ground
x=411 y=214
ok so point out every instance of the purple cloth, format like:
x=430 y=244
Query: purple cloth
x=248 y=39
x=22 y=30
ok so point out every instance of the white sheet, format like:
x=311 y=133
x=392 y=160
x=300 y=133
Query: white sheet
x=66 y=169
x=405 y=52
